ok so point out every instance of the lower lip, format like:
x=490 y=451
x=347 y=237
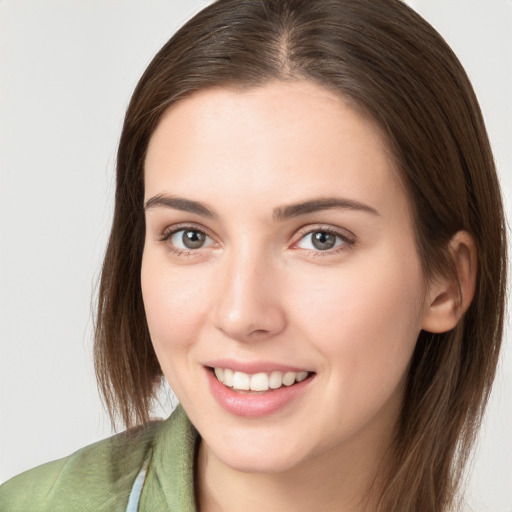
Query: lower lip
x=254 y=405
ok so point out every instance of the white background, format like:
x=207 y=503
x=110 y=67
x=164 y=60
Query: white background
x=67 y=69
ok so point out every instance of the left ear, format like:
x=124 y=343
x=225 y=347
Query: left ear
x=448 y=298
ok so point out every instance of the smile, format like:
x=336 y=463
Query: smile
x=256 y=389
x=262 y=381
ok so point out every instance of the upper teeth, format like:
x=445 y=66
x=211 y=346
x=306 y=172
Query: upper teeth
x=259 y=381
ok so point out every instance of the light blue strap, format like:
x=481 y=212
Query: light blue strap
x=133 y=501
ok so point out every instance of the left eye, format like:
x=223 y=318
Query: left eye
x=187 y=239
x=321 y=240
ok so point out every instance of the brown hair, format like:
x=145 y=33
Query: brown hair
x=397 y=69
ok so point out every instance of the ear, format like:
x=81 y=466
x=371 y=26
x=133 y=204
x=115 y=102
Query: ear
x=448 y=298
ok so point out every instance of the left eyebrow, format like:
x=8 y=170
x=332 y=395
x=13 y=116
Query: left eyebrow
x=294 y=210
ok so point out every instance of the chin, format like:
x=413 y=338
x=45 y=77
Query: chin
x=264 y=463
x=250 y=454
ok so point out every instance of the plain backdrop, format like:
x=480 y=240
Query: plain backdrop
x=67 y=69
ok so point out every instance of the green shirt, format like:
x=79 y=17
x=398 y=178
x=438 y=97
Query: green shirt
x=100 y=477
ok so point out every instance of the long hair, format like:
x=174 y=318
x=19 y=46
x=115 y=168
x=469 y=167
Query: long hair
x=398 y=70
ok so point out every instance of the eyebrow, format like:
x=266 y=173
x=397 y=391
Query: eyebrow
x=315 y=205
x=180 y=203
x=281 y=213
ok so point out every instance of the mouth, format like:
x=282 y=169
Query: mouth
x=257 y=389
x=260 y=382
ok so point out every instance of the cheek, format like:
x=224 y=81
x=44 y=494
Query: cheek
x=365 y=325
x=173 y=301
x=365 y=319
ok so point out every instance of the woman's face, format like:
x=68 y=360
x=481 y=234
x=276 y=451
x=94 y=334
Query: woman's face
x=280 y=247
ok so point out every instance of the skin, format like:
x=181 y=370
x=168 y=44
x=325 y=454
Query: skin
x=259 y=290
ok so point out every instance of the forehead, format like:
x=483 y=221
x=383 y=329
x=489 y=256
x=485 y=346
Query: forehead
x=278 y=141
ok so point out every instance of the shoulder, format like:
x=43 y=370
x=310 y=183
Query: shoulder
x=96 y=478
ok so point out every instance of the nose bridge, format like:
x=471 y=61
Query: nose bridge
x=248 y=305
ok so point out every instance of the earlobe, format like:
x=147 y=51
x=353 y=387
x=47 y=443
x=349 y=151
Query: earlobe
x=448 y=298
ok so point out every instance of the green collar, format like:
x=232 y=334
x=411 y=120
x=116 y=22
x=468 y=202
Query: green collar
x=169 y=481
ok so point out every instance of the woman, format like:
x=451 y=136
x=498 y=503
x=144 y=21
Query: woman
x=307 y=193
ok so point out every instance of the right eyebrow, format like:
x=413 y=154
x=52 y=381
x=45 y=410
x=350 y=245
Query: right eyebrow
x=178 y=203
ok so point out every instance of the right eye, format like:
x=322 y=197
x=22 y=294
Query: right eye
x=189 y=239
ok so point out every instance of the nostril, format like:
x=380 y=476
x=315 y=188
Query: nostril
x=258 y=333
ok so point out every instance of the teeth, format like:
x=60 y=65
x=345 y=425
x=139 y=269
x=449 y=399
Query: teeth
x=228 y=378
x=259 y=381
x=241 y=381
x=301 y=376
x=276 y=380
x=289 y=378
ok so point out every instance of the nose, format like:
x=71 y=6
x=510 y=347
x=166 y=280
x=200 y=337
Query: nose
x=248 y=306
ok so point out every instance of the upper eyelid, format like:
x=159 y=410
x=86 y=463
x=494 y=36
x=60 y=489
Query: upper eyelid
x=174 y=228
x=342 y=232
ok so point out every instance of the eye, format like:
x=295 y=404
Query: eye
x=188 y=239
x=323 y=240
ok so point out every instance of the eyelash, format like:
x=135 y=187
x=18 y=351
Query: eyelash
x=347 y=241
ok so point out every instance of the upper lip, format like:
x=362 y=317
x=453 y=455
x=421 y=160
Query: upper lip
x=252 y=367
